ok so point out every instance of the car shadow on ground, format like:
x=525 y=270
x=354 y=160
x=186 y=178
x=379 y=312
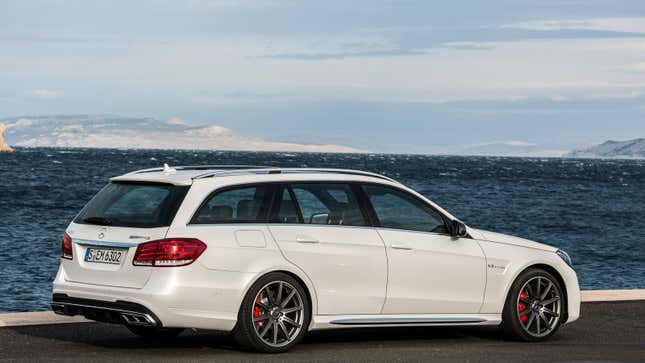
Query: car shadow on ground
x=115 y=336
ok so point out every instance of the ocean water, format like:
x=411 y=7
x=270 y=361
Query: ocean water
x=593 y=209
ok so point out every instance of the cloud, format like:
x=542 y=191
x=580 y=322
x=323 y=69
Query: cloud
x=336 y=47
x=213 y=3
x=372 y=66
x=198 y=5
x=47 y=94
x=518 y=143
x=369 y=44
x=20 y=123
x=250 y=70
x=467 y=46
x=51 y=36
x=212 y=131
x=612 y=24
x=637 y=67
x=176 y=121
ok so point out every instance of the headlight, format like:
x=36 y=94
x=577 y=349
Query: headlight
x=565 y=256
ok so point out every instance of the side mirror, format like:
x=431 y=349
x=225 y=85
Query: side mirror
x=320 y=218
x=458 y=229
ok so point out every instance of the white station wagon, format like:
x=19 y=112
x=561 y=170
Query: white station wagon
x=271 y=253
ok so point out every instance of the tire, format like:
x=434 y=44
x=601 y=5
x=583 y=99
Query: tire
x=274 y=315
x=154 y=333
x=534 y=307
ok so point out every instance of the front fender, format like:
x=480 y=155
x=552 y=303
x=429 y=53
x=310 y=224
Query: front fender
x=506 y=262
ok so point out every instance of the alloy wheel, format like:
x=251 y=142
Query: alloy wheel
x=539 y=306
x=278 y=313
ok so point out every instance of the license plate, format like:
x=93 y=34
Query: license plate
x=104 y=255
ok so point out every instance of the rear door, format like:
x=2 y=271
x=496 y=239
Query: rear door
x=107 y=231
x=321 y=228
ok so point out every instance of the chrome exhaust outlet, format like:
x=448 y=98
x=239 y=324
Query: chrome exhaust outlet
x=136 y=319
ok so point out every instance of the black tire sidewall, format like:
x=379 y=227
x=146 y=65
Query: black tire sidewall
x=244 y=331
x=510 y=320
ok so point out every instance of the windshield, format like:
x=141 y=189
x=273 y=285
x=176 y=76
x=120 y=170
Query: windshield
x=133 y=205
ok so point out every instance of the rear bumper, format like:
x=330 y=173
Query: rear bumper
x=183 y=297
x=118 y=312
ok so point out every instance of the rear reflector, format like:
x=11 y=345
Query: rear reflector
x=66 y=247
x=168 y=252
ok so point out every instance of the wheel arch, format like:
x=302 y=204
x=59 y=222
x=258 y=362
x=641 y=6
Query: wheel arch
x=304 y=285
x=553 y=271
x=300 y=277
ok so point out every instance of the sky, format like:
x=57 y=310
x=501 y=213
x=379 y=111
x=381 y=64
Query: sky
x=385 y=76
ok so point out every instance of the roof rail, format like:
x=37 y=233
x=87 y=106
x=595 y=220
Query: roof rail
x=203 y=167
x=276 y=170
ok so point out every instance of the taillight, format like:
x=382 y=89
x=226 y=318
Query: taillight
x=66 y=247
x=168 y=252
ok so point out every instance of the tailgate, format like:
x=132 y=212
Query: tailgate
x=106 y=233
x=103 y=255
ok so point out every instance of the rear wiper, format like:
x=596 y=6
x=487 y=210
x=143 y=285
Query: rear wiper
x=98 y=220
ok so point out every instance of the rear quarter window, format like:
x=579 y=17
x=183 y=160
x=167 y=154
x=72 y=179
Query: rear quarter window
x=247 y=204
x=134 y=205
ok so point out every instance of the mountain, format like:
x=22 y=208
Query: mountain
x=630 y=149
x=108 y=131
x=513 y=148
x=3 y=147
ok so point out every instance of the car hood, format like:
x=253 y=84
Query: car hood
x=511 y=240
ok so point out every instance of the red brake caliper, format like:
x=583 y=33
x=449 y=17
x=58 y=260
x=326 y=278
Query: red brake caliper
x=257 y=311
x=522 y=306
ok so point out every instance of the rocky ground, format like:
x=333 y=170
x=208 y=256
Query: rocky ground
x=3 y=147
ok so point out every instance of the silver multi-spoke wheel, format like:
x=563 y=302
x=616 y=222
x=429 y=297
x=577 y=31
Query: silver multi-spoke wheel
x=539 y=306
x=278 y=313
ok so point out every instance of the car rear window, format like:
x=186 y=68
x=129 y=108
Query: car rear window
x=133 y=205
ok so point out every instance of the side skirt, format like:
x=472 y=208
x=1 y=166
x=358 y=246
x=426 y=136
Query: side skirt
x=406 y=321
x=340 y=321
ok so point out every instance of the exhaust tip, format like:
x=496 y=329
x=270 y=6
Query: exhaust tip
x=138 y=319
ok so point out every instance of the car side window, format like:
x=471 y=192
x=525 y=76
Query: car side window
x=400 y=210
x=240 y=205
x=328 y=203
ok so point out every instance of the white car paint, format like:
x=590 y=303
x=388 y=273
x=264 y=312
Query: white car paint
x=348 y=266
x=433 y=273
x=352 y=274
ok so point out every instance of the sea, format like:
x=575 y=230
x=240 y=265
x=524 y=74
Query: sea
x=593 y=209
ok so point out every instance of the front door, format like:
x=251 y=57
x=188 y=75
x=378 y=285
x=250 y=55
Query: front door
x=430 y=272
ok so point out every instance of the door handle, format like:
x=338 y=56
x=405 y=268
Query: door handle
x=400 y=247
x=306 y=239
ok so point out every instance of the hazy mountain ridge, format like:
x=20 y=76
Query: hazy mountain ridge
x=112 y=131
x=513 y=148
x=109 y=131
x=629 y=149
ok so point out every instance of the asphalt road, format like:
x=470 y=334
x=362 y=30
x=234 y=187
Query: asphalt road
x=606 y=332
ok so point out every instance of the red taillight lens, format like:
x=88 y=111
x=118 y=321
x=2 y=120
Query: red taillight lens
x=169 y=252
x=66 y=247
